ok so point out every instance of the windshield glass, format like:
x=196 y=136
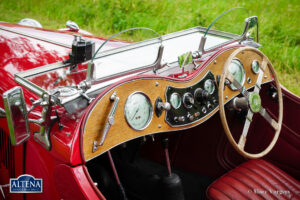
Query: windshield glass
x=138 y=57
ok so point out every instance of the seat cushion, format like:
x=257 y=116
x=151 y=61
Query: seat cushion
x=255 y=179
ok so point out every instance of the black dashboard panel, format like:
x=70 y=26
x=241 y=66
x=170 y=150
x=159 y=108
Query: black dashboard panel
x=195 y=102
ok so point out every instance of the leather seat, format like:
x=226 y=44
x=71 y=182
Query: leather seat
x=255 y=179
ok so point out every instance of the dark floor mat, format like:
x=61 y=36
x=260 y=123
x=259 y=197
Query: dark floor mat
x=141 y=180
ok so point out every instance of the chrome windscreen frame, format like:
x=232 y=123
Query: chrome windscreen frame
x=21 y=77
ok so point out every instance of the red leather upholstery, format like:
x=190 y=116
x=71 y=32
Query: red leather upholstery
x=255 y=179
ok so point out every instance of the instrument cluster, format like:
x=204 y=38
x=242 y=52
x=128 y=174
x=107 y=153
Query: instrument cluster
x=191 y=103
x=184 y=105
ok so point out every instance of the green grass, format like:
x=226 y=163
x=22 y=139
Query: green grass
x=279 y=22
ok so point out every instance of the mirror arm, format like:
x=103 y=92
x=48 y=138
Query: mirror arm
x=2 y=113
x=247 y=26
x=201 y=45
x=158 y=63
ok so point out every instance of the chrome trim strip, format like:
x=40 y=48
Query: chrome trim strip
x=35 y=37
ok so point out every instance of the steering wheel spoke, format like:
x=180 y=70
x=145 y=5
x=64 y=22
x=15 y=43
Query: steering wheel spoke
x=243 y=138
x=236 y=84
x=260 y=75
x=263 y=112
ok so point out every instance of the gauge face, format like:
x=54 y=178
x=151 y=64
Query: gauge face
x=255 y=67
x=209 y=86
x=175 y=100
x=237 y=70
x=138 y=111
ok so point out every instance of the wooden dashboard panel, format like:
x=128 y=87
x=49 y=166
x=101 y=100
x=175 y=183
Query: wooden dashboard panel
x=121 y=132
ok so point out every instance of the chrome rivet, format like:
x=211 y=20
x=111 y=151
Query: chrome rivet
x=159 y=125
x=226 y=97
x=249 y=80
x=156 y=84
x=215 y=61
x=265 y=76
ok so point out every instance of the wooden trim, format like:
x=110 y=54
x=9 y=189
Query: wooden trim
x=121 y=132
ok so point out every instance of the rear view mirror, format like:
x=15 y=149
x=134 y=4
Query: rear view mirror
x=251 y=28
x=16 y=115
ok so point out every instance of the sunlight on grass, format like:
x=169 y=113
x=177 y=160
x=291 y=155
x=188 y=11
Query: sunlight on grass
x=279 y=22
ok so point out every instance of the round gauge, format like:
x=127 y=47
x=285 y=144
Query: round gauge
x=237 y=70
x=209 y=86
x=255 y=67
x=138 y=111
x=175 y=100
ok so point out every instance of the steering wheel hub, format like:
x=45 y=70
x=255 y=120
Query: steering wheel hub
x=254 y=102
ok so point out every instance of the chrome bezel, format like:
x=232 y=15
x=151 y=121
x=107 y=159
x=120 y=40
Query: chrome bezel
x=179 y=97
x=213 y=84
x=184 y=95
x=151 y=110
x=252 y=66
x=244 y=74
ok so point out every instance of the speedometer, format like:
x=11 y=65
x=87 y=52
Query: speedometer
x=138 y=111
x=237 y=70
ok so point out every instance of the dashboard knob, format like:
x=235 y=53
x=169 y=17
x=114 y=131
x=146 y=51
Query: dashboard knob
x=190 y=117
x=209 y=106
x=201 y=95
x=188 y=100
x=164 y=106
x=181 y=118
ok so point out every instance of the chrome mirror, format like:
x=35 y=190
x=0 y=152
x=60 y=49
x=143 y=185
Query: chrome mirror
x=16 y=115
x=251 y=28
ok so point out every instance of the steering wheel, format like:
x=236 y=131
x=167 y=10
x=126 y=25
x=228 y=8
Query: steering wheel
x=254 y=103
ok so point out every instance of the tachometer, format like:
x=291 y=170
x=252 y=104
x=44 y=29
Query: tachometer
x=138 y=111
x=237 y=70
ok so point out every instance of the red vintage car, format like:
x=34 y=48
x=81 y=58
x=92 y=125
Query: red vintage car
x=194 y=114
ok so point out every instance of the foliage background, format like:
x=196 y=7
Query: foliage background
x=279 y=21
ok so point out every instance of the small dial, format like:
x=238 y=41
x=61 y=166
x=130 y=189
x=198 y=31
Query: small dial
x=138 y=111
x=237 y=70
x=188 y=100
x=255 y=67
x=209 y=86
x=175 y=100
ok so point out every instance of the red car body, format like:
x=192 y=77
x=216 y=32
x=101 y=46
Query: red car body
x=64 y=171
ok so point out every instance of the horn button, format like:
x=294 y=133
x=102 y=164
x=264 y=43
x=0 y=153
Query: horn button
x=254 y=102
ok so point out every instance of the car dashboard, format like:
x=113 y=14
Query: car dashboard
x=148 y=104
